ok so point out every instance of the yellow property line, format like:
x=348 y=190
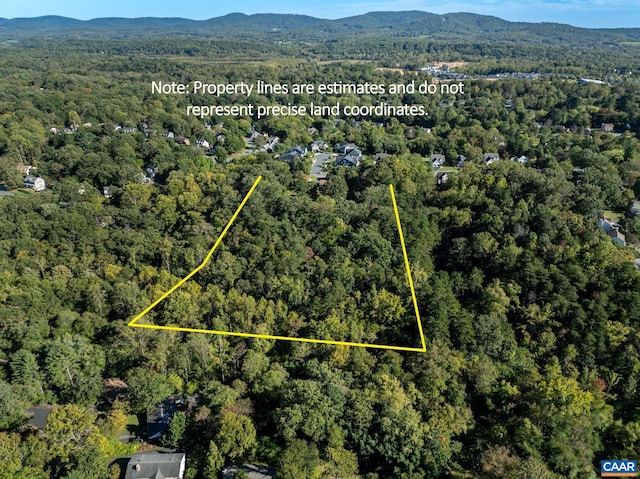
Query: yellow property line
x=203 y=264
x=133 y=322
x=408 y=269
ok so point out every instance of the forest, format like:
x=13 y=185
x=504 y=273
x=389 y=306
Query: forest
x=530 y=310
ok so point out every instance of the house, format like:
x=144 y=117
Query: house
x=318 y=146
x=150 y=171
x=489 y=158
x=270 y=144
x=159 y=418
x=203 y=144
x=292 y=154
x=106 y=191
x=612 y=229
x=520 y=159
x=607 y=224
x=442 y=177
x=252 y=471
x=312 y=131
x=617 y=237
x=460 y=160
x=24 y=169
x=253 y=134
x=169 y=134
x=343 y=147
x=351 y=159
x=607 y=127
x=154 y=465
x=149 y=131
x=635 y=208
x=437 y=160
x=35 y=183
x=181 y=140
x=128 y=129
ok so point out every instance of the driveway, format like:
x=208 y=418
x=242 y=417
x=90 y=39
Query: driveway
x=317 y=170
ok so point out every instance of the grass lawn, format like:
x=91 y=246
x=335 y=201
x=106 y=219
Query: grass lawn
x=136 y=425
x=614 y=216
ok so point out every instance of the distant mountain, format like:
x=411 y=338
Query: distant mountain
x=274 y=27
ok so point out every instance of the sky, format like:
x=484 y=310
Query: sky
x=580 y=13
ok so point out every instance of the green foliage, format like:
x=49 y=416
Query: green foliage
x=147 y=389
x=236 y=436
x=531 y=313
x=12 y=408
x=174 y=436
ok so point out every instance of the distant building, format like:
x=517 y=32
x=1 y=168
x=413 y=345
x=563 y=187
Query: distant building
x=292 y=154
x=607 y=127
x=34 y=183
x=150 y=171
x=252 y=471
x=584 y=81
x=203 y=144
x=351 y=159
x=612 y=229
x=344 y=147
x=437 y=160
x=154 y=465
x=318 y=146
x=617 y=237
x=159 y=418
x=442 y=177
x=489 y=158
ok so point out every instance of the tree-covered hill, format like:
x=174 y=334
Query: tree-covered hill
x=285 y=27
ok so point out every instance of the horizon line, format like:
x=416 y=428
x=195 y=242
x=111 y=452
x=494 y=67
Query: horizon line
x=314 y=17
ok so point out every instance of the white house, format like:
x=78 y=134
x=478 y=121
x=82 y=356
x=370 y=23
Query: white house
x=153 y=465
x=35 y=183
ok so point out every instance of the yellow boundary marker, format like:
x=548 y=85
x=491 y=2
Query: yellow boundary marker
x=134 y=322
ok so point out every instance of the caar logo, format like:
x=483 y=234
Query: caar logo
x=618 y=468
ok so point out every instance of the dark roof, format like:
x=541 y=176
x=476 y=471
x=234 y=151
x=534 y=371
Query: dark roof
x=30 y=179
x=40 y=416
x=159 y=418
x=154 y=465
x=253 y=471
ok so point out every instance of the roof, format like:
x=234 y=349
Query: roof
x=159 y=418
x=154 y=465
x=30 y=179
x=40 y=416
x=253 y=471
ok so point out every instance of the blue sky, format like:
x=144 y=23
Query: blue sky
x=582 y=13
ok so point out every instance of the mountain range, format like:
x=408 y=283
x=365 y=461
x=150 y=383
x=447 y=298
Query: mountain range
x=288 y=27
